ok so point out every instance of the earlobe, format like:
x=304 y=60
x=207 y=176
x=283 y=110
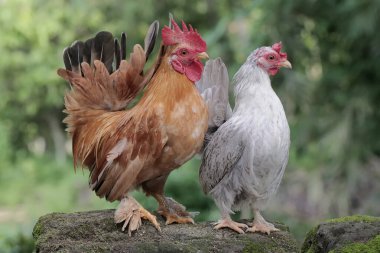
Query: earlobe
x=177 y=66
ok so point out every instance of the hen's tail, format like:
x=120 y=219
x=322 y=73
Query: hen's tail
x=213 y=87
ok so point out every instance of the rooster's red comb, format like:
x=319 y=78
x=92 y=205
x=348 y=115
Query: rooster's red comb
x=277 y=47
x=187 y=36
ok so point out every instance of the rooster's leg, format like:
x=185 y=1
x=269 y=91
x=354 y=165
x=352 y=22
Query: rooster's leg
x=167 y=207
x=131 y=212
x=173 y=211
x=259 y=224
x=227 y=222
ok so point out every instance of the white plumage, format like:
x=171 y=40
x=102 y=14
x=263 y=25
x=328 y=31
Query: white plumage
x=245 y=159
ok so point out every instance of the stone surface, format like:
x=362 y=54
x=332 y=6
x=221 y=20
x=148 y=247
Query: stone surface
x=96 y=232
x=347 y=234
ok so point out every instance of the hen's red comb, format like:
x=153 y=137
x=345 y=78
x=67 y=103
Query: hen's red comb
x=187 y=36
x=277 y=47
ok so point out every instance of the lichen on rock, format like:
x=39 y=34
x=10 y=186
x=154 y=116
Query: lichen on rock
x=345 y=234
x=96 y=232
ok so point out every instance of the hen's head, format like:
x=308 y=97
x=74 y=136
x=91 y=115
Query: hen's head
x=188 y=48
x=271 y=59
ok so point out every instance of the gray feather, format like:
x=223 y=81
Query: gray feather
x=150 y=38
x=171 y=17
x=213 y=87
x=219 y=157
x=245 y=159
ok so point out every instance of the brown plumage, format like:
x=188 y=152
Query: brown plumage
x=128 y=148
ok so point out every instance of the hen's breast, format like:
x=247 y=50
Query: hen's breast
x=269 y=136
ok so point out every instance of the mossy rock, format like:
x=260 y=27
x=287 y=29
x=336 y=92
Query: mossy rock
x=351 y=234
x=96 y=232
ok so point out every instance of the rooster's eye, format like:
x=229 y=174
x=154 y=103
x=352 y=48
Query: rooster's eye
x=271 y=57
x=184 y=52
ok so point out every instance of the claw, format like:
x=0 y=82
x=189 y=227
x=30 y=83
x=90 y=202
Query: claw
x=173 y=211
x=131 y=212
x=227 y=223
x=170 y=218
x=259 y=224
x=262 y=228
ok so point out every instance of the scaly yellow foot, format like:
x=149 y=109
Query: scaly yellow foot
x=259 y=224
x=228 y=223
x=173 y=211
x=131 y=212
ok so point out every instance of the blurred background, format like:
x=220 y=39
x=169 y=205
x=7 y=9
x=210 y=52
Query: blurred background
x=331 y=97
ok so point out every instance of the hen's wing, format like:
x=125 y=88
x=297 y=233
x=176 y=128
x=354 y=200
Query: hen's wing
x=213 y=87
x=124 y=146
x=220 y=156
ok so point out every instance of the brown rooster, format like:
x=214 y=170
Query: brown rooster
x=128 y=148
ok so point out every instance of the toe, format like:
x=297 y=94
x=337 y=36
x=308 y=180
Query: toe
x=230 y=224
x=178 y=219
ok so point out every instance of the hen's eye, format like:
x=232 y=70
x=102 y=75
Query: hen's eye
x=184 y=52
x=271 y=57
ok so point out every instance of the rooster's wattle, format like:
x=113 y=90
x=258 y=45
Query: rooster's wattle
x=128 y=148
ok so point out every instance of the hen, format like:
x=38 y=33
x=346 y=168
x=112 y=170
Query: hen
x=126 y=148
x=245 y=158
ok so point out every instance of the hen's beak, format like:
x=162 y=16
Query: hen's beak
x=203 y=55
x=286 y=64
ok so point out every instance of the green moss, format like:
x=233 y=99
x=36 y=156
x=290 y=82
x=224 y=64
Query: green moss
x=255 y=247
x=371 y=246
x=354 y=218
x=37 y=230
x=309 y=245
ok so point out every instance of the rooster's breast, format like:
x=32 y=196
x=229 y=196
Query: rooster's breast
x=186 y=125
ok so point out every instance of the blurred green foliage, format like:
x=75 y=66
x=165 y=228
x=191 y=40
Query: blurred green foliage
x=331 y=98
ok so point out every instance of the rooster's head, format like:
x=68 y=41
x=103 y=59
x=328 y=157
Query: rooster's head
x=187 y=48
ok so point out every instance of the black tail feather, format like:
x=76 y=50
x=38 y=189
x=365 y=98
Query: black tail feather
x=73 y=56
x=87 y=51
x=103 y=49
x=150 y=38
x=117 y=54
x=123 y=46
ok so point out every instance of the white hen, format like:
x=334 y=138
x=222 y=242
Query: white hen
x=245 y=158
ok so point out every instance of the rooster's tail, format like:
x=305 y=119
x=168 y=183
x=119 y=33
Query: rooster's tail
x=100 y=77
x=102 y=82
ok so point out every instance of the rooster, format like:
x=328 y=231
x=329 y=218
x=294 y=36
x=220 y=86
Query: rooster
x=126 y=147
x=246 y=154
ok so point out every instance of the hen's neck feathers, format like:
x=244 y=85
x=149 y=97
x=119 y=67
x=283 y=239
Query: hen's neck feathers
x=249 y=78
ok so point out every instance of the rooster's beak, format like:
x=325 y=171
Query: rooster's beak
x=203 y=55
x=286 y=64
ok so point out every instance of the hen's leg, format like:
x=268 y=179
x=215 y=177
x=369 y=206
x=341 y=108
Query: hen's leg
x=131 y=212
x=167 y=207
x=227 y=222
x=259 y=224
